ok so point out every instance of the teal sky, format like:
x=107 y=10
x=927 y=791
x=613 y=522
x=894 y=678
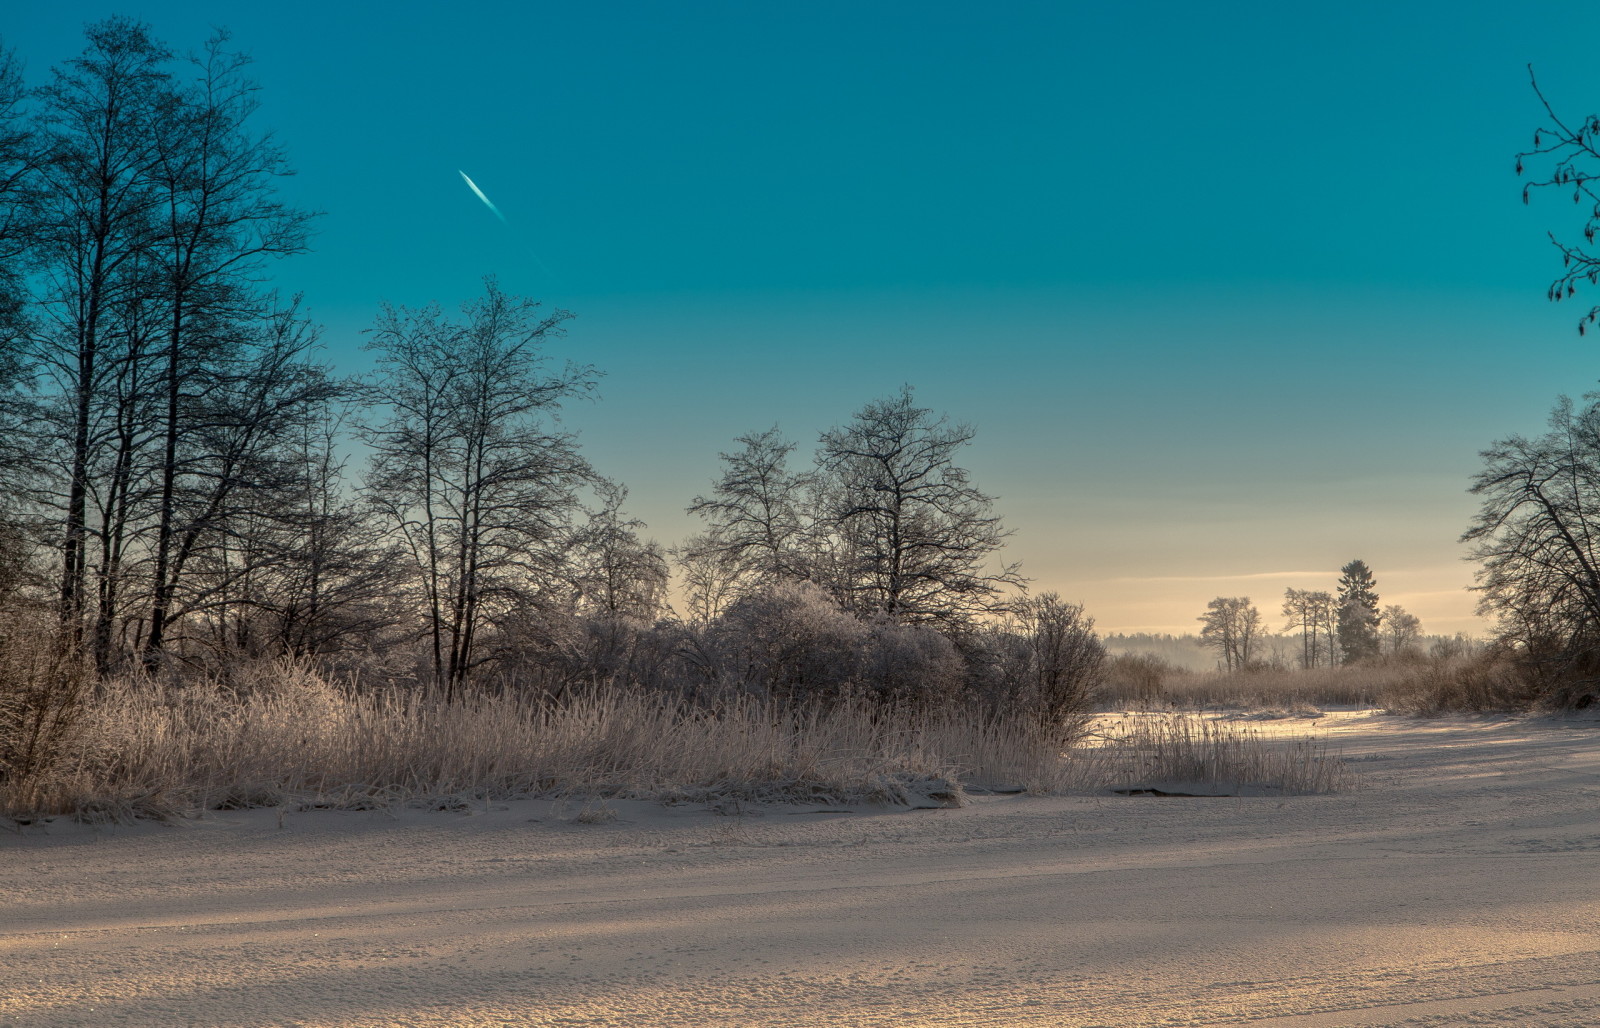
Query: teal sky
x=1233 y=292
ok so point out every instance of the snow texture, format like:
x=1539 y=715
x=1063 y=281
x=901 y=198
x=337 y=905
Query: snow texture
x=1454 y=886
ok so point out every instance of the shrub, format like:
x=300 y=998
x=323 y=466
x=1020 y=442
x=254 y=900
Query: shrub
x=44 y=686
x=1136 y=679
x=910 y=664
x=1494 y=679
x=788 y=641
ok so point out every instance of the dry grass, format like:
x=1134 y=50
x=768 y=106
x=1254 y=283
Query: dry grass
x=1280 y=690
x=1146 y=750
x=145 y=749
x=1434 y=685
x=286 y=736
x=1492 y=681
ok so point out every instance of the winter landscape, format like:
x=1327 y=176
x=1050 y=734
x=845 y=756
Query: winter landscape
x=891 y=515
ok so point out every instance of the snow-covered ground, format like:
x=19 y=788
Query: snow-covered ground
x=1456 y=884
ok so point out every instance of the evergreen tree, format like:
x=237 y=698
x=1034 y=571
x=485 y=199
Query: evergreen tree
x=1358 y=612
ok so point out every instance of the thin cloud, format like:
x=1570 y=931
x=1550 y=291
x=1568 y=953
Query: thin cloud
x=1217 y=578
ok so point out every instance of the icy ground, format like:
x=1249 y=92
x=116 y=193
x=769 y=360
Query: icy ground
x=1456 y=885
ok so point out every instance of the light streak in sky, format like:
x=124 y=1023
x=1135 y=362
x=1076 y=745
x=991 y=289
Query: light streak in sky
x=474 y=187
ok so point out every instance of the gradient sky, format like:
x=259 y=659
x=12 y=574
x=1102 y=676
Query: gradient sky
x=1232 y=292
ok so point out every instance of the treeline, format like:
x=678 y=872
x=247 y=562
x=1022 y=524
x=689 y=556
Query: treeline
x=1274 y=651
x=185 y=482
x=1347 y=627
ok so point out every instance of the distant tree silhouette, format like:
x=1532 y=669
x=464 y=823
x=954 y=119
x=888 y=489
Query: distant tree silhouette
x=755 y=517
x=1400 y=629
x=1358 y=612
x=1232 y=625
x=1315 y=614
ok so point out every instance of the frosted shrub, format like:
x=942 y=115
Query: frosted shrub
x=911 y=664
x=789 y=641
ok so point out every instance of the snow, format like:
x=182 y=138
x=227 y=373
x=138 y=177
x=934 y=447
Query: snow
x=1453 y=885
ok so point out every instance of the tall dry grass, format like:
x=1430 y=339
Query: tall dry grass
x=283 y=734
x=1149 y=750
x=142 y=748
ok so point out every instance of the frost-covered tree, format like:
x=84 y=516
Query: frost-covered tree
x=614 y=573
x=754 y=514
x=469 y=465
x=1065 y=660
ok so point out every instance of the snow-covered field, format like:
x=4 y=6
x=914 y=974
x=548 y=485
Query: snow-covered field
x=1455 y=884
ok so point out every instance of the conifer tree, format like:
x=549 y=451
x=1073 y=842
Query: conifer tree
x=1358 y=612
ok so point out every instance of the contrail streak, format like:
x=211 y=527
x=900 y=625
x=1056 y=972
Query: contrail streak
x=486 y=201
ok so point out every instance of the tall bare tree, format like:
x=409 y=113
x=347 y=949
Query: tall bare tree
x=18 y=227
x=1537 y=535
x=469 y=466
x=155 y=214
x=18 y=206
x=97 y=125
x=920 y=539
x=219 y=221
x=1315 y=614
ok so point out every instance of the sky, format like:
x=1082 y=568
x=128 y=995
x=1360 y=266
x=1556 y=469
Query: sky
x=1232 y=293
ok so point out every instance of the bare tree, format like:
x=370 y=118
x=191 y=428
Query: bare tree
x=19 y=463
x=1568 y=153
x=1536 y=533
x=468 y=465
x=917 y=537
x=754 y=513
x=19 y=159
x=304 y=570
x=240 y=468
x=1400 y=629
x=1065 y=660
x=710 y=577
x=154 y=215
x=1316 y=615
x=1232 y=625
x=219 y=221
x=614 y=573
x=98 y=209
